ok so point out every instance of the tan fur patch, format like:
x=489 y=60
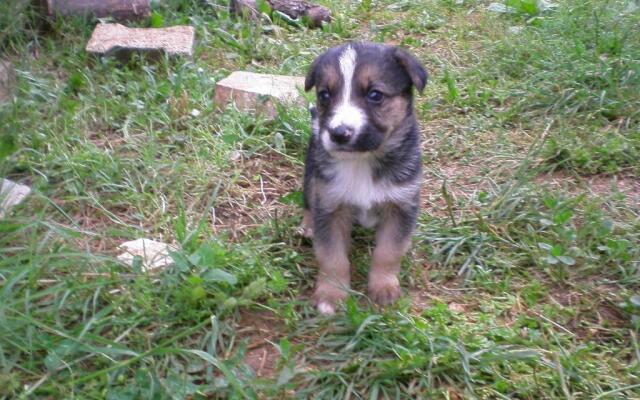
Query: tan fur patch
x=367 y=74
x=384 y=286
x=388 y=251
x=392 y=113
x=306 y=227
x=334 y=270
x=330 y=78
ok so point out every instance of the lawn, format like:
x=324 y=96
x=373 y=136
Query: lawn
x=523 y=281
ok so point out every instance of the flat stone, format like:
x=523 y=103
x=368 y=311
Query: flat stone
x=500 y=8
x=154 y=254
x=456 y=307
x=7 y=81
x=11 y=194
x=110 y=38
x=251 y=91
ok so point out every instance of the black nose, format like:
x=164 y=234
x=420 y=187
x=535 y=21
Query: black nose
x=340 y=134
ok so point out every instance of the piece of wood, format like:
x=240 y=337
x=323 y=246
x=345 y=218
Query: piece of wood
x=11 y=194
x=256 y=92
x=118 y=9
x=295 y=9
x=7 y=81
x=245 y=8
x=301 y=8
x=317 y=15
x=110 y=38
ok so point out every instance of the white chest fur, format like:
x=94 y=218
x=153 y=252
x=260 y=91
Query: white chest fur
x=353 y=184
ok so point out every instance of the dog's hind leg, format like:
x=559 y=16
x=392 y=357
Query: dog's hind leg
x=331 y=242
x=393 y=238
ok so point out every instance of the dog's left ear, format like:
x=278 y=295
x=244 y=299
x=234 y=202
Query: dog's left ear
x=310 y=79
x=412 y=66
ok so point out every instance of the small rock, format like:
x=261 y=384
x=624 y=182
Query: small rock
x=544 y=5
x=632 y=6
x=7 y=81
x=110 y=38
x=456 y=307
x=11 y=194
x=235 y=155
x=252 y=91
x=514 y=30
x=154 y=255
x=500 y=8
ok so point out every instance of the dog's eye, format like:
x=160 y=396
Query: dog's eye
x=324 y=97
x=375 y=96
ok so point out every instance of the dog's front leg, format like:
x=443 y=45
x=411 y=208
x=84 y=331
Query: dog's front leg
x=331 y=242
x=393 y=238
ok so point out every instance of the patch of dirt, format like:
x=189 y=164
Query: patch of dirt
x=106 y=139
x=564 y=296
x=600 y=323
x=95 y=223
x=463 y=182
x=628 y=185
x=258 y=328
x=596 y=316
x=253 y=196
x=600 y=185
x=452 y=293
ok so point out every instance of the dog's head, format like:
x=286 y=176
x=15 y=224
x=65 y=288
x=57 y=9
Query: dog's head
x=364 y=94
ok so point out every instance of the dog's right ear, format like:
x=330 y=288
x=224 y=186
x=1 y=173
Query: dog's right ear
x=413 y=67
x=310 y=79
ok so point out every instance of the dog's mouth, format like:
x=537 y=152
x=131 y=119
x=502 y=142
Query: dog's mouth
x=339 y=148
x=347 y=149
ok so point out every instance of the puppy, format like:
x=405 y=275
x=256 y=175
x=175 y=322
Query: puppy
x=363 y=164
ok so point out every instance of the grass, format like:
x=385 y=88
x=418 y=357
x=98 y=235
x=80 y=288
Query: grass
x=523 y=278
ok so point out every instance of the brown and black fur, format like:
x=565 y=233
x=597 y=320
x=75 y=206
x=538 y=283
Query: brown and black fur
x=365 y=168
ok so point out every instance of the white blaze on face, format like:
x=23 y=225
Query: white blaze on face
x=347 y=113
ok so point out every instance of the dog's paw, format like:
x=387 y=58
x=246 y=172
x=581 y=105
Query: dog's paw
x=326 y=308
x=385 y=291
x=306 y=227
x=305 y=231
x=326 y=299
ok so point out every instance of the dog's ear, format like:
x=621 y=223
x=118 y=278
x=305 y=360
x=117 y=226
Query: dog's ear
x=412 y=66
x=310 y=79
